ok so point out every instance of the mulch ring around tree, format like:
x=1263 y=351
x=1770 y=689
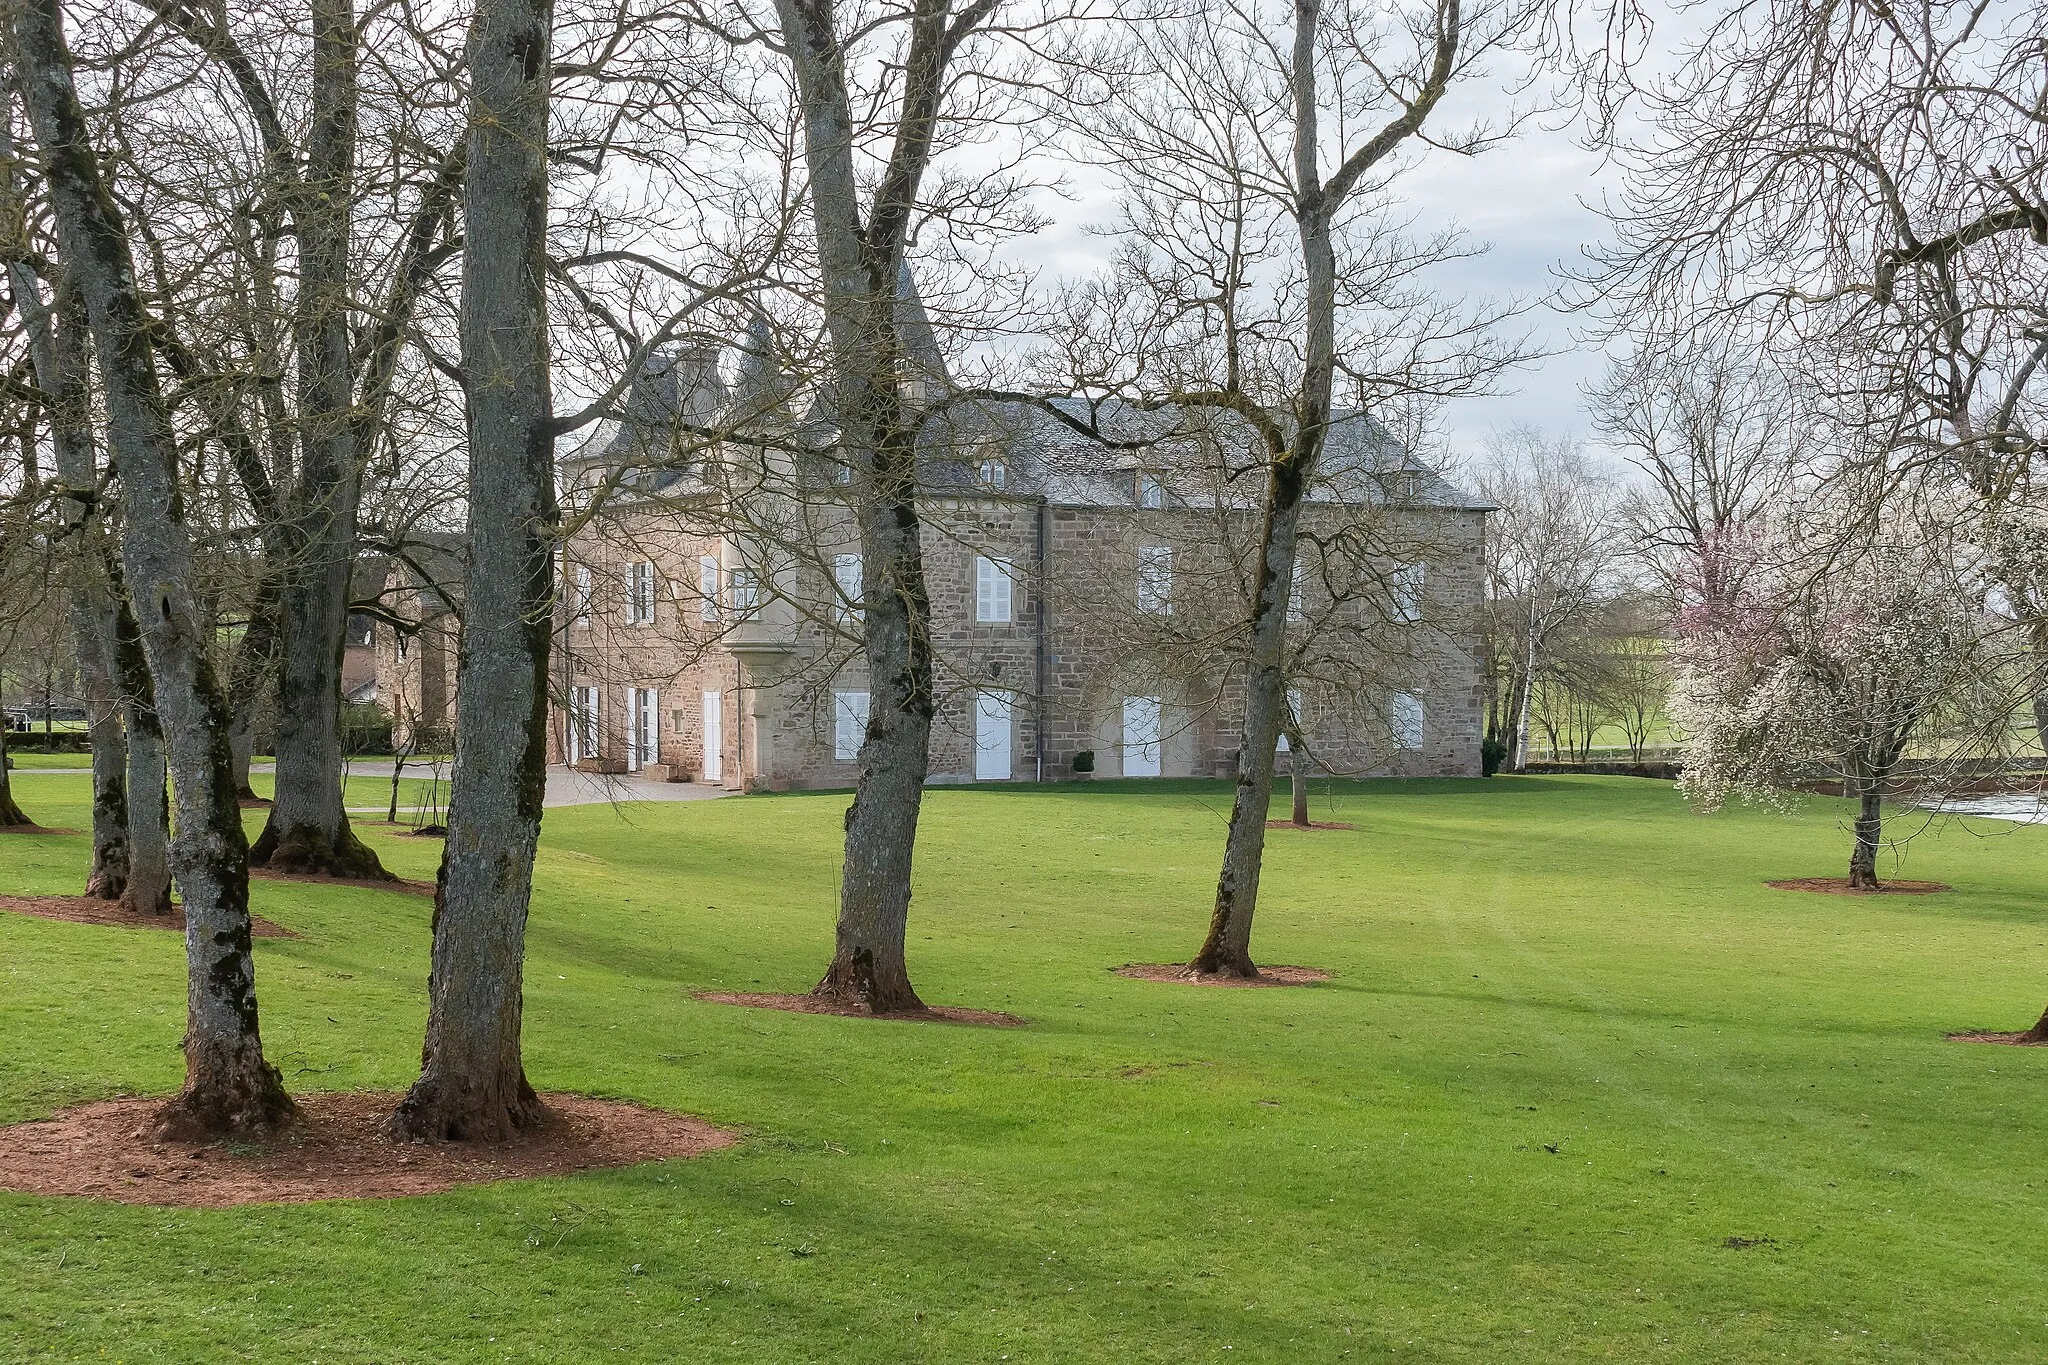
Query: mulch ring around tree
x=1179 y=974
x=34 y=829
x=2009 y=1039
x=335 y=1151
x=322 y=879
x=1313 y=824
x=89 y=910
x=1839 y=886
x=811 y=1004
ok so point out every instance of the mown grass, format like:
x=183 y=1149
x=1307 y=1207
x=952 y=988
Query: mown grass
x=1572 y=1047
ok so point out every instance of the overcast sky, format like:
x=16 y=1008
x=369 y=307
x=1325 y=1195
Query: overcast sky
x=1526 y=199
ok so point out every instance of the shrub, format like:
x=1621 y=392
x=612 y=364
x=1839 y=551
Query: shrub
x=1493 y=751
x=1084 y=762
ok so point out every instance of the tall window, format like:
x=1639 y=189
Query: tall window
x=580 y=596
x=582 y=723
x=991 y=474
x=846 y=577
x=744 y=588
x=639 y=593
x=1155 y=579
x=707 y=587
x=1151 y=488
x=1407 y=591
x=643 y=727
x=849 y=725
x=1407 y=717
x=991 y=589
x=1294 y=593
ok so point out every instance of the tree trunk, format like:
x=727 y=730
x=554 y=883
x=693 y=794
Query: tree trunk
x=1524 y=705
x=860 y=264
x=1227 y=949
x=1297 y=767
x=472 y=1084
x=869 y=964
x=148 y=891
x=229 y=1086
x=308 y=830
x=1869 y=834
x=2039 y=1032
x=2039 y=633
x=10 y=813
x=60 y=351
x=252 y=666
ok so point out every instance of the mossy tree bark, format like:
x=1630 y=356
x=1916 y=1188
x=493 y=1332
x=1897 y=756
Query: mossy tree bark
x=472 y=1084
x=229 y=1086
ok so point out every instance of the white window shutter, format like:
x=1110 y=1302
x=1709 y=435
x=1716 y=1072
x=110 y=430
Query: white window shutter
x=991 y=589
x=707 y=587
x=849 y=724
x=846 y=574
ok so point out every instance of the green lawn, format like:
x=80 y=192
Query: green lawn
x=1572 y=1047
x=361 y=792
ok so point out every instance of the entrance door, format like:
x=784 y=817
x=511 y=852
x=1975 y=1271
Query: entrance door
x=1141 y=736
x=992 y=737
x=714 y=737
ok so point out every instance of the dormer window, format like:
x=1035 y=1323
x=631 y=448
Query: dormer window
x=991 y=474
x=1151 y=488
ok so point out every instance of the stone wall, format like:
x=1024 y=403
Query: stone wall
x=776 y=673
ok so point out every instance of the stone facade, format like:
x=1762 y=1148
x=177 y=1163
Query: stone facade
x=1085 y=569
x=1071 y=667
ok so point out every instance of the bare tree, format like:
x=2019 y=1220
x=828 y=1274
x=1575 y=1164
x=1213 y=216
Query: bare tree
x=472 y=1083
x=1552 y=546
x=1255 y=144
x=229 y=1086
x=862 y=225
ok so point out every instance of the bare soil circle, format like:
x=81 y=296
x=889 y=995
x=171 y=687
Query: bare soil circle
x=2008 y=1039
x=409 y=888
x=335 y=1151
x=1313 y=824
x=1839 y=886
x=34 y=829
x=1179 y=974
x=811 y=1004
x=88 y=910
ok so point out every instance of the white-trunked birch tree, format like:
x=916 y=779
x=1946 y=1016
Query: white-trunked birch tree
x=1256 y=145
x=229 y=1086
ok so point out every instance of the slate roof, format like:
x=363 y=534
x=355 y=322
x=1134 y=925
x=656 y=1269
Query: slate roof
x=1042 y=455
